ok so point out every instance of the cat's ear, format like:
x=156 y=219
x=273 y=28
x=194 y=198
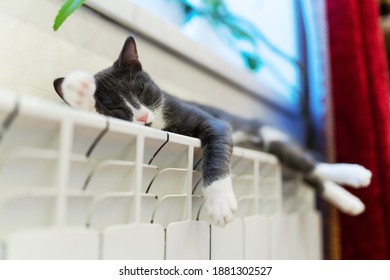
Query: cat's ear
x=57 y=86
x=128 y=58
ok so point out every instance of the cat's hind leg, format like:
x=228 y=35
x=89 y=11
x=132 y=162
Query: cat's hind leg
x=336 y=195
x=296 y=158
x=325 y=176
x=78 y=89
x=345 y=201
x=353 y=175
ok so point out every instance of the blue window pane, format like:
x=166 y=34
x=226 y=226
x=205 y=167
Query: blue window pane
x=259 y=36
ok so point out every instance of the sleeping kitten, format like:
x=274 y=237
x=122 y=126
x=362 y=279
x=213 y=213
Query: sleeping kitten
x=126 y=92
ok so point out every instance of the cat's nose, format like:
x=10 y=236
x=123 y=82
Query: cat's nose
x=143 y=118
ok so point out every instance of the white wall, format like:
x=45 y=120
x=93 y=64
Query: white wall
x=32 y=55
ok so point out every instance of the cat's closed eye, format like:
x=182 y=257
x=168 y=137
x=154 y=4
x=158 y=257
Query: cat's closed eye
x=140 y=89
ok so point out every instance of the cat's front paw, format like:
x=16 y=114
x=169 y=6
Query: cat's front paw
x=220 y=201
x=353 y=175
x=78 y=90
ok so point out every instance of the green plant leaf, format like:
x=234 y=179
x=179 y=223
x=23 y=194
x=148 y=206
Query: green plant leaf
x=252 y=61
x=66 y=10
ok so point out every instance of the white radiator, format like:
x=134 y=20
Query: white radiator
x=75 y=185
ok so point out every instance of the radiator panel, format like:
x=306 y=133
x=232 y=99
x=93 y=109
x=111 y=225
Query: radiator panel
x=129 y=192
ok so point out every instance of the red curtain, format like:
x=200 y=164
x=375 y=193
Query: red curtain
x=360 y=96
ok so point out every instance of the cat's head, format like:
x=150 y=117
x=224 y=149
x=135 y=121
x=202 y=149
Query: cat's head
x=124 y=90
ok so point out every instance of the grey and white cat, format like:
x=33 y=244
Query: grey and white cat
x=127 y=92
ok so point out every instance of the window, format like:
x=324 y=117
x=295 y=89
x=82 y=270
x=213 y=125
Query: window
x=259 y=37
x=293 y=31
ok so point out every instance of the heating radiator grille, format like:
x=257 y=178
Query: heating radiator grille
x=75 y=185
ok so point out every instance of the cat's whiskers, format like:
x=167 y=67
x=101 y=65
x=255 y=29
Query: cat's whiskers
x=156 y=104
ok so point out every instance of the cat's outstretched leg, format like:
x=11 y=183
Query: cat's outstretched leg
x=352 y=175
x=336 y=195
x=77 y=89
x=342 y=199
x=324 y=176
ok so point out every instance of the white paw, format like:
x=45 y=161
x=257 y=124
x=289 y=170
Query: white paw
x=220 y=201
x=78 y=89
x=353 y=175
x=342 y=199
